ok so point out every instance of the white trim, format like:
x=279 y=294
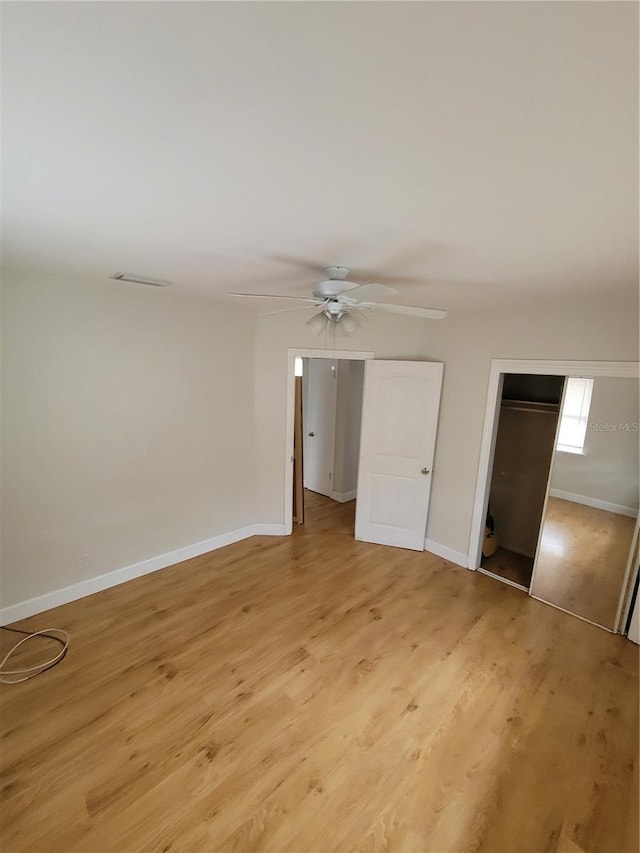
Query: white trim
x=571 y=613
x=487 y=451
x=547 y=489
x=596 y=503
x=457 y=557
x=633 y=618
x=618 y=369
x=344 y=497
x=500 y=366
x=628 y=582
x=292 y=354
x=87 y=587
x=268 y=530
x=633 y=633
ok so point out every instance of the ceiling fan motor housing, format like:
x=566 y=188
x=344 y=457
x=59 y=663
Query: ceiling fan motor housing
x=331 y=287
x=334 y=284
x=337 y=272
x=333 y=309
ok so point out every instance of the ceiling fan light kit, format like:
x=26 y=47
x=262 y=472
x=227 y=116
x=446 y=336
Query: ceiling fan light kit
x=349 y=324
x=330 y=317
x=317 y=324
x=337 y=298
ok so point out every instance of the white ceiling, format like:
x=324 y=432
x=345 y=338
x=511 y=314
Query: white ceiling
x=488 y=150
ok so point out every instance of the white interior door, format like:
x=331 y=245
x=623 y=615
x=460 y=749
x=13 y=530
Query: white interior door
x=319 y=419
x=397 y=444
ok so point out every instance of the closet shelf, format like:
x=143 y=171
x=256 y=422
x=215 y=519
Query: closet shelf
x=528 y=406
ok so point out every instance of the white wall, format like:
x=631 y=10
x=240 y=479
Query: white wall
x=348 y=419
x=608 y=470
x=127 y=428
x=466 y=344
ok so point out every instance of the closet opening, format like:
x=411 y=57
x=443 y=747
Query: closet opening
x=527 y=426
x=558 y=491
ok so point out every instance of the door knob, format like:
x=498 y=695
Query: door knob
x=424 y=470
x=311 y=434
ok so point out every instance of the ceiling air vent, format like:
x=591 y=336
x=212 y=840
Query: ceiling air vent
x=140 y=279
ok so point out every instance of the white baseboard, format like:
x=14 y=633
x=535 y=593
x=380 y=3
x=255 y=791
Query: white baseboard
x=594 y=502
x=457 y=557
x=269 y=530
x=343 y=497
x=32 y=606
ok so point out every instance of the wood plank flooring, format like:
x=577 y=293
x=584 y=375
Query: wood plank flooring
x=582 y=560
x=313 y=693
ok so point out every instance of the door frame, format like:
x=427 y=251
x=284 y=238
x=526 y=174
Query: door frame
x=500 y=366
x=292 y=354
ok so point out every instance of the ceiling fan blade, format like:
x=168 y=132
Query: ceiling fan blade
x=384 y=278
x=370 y=292
x=277 y=296
x=428 y=313
x=286 y=310
x=318 y=268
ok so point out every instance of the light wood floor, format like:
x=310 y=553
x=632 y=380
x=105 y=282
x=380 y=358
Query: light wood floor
x=508 y=564
x=313 y=693
x=582 y=560
x=323 y=514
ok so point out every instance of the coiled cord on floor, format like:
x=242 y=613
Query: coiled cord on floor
x=28 y=672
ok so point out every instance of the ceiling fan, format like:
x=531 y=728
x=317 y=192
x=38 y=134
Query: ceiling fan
x=338 y=298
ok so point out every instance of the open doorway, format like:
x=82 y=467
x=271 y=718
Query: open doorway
x=327 y=419
x=331 y=506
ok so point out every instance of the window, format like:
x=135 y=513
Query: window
x=575 y=413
